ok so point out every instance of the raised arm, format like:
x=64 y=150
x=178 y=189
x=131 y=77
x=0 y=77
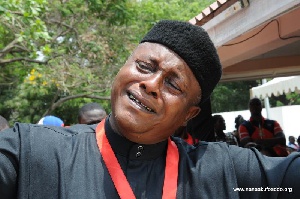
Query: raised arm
x=9 y=150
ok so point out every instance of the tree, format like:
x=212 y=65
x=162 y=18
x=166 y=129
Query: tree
x=57 y=55
x=53 y=53
x=231 y=96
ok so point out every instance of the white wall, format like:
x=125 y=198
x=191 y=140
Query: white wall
x=286 y=116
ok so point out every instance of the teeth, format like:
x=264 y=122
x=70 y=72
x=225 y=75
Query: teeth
x=137 y=101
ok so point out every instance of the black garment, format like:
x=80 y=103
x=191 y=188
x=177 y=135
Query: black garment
x=221 y=137
x=43 y=162
x=201 y=127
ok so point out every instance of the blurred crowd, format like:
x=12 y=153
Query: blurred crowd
x=258 y=132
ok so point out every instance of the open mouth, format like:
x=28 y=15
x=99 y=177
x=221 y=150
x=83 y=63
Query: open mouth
x=139 y=103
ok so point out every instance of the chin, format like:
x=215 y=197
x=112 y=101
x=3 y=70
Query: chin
x=125 y=121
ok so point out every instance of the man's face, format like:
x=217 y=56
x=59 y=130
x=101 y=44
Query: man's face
x=255 y=107
x=92 y=117
x=153 y=94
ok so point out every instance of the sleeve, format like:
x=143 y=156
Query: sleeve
x=243 y=132
x=249 y=173
x=290 y=182
x=9 y=154
x=277 y=129
x=273 y=177
x=282 y=175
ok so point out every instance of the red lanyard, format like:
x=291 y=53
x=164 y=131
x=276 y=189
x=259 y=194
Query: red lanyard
x=118 y=177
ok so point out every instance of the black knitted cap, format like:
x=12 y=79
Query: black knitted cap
x=194 y=46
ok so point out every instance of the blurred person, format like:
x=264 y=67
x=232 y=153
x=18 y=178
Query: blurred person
x=292 y=146
x=51 y=120
x=220 y=135
x=3 y=123
x=265 y=134
x=91 y=113
x=238 y=121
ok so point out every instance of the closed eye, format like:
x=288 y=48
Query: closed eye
x=173 y=84
x=144 y=67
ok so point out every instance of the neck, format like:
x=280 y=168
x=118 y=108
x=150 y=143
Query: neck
x=113 y=124
x=257 y=118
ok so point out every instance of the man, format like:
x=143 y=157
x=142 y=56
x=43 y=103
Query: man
x=238 y=121
x=262 y=133
x=219 y=127
x=91 y=113
x=292 y=146
x=160 y=87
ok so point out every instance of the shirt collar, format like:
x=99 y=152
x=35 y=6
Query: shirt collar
x=124 y=147
x=262 y=119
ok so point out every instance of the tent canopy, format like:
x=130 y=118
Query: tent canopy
x=277 y=86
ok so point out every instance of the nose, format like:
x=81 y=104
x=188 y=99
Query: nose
x=151 y=85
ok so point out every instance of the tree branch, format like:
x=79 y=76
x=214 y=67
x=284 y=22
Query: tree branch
x=7 y=61
x=63 y=100
x=8 y=48
x=64 y=24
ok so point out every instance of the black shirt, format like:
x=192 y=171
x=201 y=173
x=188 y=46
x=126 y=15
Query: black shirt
x=43 y=162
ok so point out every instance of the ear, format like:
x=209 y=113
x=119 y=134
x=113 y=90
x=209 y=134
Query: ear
x=192 y=112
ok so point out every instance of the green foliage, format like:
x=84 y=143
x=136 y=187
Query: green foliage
x=293 y=98
x=52 y=50
x=23 y=25
x=285 y=99
x=235 y=96
x=231 y=96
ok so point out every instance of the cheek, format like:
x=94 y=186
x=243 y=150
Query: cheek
x=121 y=78
x=175 y=106
x=127 y=73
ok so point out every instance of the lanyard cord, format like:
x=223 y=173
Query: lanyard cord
x=118 y=177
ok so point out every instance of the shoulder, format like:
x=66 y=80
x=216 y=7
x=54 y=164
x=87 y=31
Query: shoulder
x=275 y=123
x=246 y=123
x=37 y=140
x=26 y=131
x=221 y=155
x=269 y=121
x=201 y=149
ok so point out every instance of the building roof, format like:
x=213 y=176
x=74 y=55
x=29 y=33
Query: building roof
x=255 y=39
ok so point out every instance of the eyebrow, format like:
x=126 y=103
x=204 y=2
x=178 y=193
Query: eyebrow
x=153 y=61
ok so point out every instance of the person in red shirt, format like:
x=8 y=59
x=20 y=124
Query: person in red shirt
x=264 y=134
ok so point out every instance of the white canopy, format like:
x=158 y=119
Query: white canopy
x=277 y=86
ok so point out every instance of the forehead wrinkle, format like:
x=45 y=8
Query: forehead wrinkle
x=175 y=62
